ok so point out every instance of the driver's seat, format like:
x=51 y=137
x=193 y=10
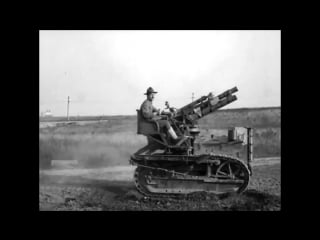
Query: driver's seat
x=146 y=127
x=150 y=129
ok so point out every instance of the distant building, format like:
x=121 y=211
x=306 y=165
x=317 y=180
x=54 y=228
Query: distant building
x=47 y=113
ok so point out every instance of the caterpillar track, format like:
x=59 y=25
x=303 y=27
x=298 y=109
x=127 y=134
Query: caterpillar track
x=161 y=176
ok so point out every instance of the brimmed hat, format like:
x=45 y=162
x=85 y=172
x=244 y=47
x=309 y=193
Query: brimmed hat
x=150 y=90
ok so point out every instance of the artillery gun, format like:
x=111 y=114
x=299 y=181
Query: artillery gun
x=165 y=169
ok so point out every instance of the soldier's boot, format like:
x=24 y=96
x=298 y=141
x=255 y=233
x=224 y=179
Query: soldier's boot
x=172 y=133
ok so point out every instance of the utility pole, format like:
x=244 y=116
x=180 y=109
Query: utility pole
x=192 y=96
x=68 y=108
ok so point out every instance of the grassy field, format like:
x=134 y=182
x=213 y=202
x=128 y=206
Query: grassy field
x=90 y=150
x=254 y=117
x=109 y=143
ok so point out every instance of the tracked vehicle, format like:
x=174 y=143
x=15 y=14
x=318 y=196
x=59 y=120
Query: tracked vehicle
x=165 y=169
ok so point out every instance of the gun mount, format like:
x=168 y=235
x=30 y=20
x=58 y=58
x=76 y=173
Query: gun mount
x=165 y=169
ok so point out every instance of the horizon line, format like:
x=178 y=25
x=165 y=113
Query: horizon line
x=115 y=115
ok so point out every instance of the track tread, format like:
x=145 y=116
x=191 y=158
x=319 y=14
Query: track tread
x=202 y=159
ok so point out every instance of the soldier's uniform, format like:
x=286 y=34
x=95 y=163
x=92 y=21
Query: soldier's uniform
x=147 y=110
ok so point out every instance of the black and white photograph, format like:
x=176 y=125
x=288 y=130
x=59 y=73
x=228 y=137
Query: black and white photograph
x=159 y=120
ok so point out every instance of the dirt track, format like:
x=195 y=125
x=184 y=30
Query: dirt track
x=112 y=188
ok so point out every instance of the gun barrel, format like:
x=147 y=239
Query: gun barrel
x=205 y=105
x=195 y=102
x=228 y=92
x=229 y=99
x=203 y=98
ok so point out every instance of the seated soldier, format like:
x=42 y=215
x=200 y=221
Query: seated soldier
x=147 y=111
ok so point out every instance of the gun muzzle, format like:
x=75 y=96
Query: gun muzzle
x=228 y=92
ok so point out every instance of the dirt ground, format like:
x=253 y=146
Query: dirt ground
x=112 y=189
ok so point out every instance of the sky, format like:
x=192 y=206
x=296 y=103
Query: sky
x=108 y=72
